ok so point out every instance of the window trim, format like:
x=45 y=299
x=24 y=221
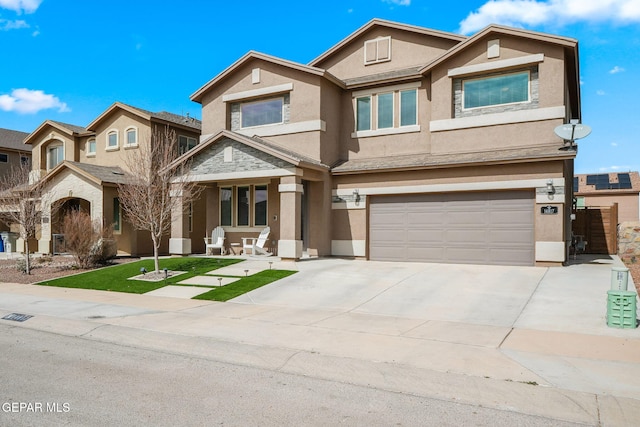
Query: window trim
x=88 y=147
x=252 y=226
x=373 y=95
x=495 y=76
x=180 y=152
x=262 y=100
x=126 y=137
x=117 y=224
x=114 y=147
x=57 y=144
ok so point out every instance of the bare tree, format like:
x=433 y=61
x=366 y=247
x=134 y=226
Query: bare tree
x=21 y=204
x=154 y=188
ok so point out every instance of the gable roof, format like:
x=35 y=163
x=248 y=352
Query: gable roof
x=387 y=24
x=257 y=143
x=499 y=29
x=100 y=175
x=13 y=139
x=163 y=116
x=71 y=130
x=251 y=55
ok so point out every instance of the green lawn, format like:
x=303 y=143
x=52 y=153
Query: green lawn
x=116 y=278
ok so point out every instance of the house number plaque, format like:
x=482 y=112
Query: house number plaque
x=549 y=210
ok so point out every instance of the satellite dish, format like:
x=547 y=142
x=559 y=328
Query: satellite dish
x=572 y=131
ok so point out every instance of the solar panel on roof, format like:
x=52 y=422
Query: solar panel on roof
x=625 y=181
x=591 y=179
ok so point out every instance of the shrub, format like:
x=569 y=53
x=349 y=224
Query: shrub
x=88 y=241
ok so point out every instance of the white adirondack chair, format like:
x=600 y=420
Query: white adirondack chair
x=256 y=245
x=216 y=241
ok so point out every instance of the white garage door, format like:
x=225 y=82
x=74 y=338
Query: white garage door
x=470 y=228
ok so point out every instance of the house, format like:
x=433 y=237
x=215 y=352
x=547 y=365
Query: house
x=12 y=150
x=605 y=189
x=399 y=143
x=82 y=167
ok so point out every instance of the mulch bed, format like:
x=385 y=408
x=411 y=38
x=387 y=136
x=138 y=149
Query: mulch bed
x=44 y=268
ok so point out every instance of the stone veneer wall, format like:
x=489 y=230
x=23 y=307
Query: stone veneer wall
x=629 y=241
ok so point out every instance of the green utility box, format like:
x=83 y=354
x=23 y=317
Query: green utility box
x=621 y=309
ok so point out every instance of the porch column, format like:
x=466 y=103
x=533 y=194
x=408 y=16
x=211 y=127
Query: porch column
x=44 y=241
x=211 y=209
x=179 y=243
x=290 y=243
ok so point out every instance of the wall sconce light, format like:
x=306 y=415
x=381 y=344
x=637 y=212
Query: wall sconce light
x=356 y=195
x=550 y=189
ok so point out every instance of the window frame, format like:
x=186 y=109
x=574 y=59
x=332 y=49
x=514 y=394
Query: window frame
x=5 y=156
x=112 y=147
x=59 y=145
x=235 y=210
x=187 y=139
x=88 y=147
x=373 y=95
x=126 y=137
x=496 y=76
x=262 y=101
x=117 y=216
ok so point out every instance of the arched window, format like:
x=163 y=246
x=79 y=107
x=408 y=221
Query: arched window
x=112 y=140
x=131 y=135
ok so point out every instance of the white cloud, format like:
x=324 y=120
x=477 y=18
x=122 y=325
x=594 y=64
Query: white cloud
x=614 y=144
x=518 y=13
x=20 y=6
x=6 y=25
x=616 y=70
x=600 y=92
x=399 y=2
x=27 y=101
x=615 y=168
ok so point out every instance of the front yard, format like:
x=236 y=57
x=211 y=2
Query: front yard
x=118 y=278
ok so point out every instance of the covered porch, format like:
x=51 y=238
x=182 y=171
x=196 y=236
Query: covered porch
x=249 y=184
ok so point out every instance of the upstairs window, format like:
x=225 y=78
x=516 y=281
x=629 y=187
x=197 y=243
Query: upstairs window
x=4 y=158
x=132 y=137
x=55 y=156
x=260 y=113
x=112 y=140
x=91 y=147
x=496 y=90
x=186 y=143
x=378 y=50
x=390 y=111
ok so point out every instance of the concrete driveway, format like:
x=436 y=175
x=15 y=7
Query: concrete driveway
x=565 y=299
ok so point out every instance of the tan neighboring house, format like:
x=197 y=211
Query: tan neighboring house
x=399 y=143
x=605 y=189
x=82 y=167
x=12 y=149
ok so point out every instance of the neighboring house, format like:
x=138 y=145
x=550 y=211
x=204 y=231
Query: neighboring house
x=399 y=143
x=12 y=150
x=83 y=167
x=605 y=189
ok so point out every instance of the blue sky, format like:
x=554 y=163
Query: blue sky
x=68 y=60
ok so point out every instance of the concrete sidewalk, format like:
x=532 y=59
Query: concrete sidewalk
x=532 y=340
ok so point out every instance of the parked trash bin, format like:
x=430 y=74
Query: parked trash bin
x=619 y=278
x=9 y=240
x=621 y=309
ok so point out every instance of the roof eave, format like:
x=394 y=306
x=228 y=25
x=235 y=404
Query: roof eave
x=113 y=107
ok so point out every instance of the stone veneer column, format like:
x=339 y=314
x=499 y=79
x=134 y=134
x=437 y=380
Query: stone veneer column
x=290 y=243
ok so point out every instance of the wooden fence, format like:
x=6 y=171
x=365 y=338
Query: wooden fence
x=598 y=226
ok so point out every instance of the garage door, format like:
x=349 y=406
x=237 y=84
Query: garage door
x=470 y=228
